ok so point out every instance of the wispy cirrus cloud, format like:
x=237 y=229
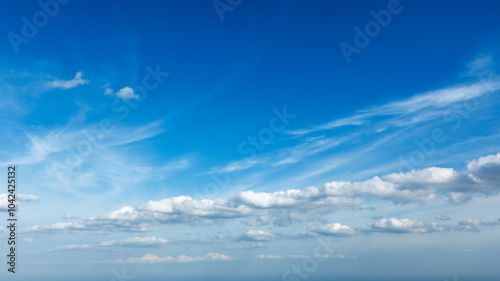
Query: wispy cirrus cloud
x=40 y=144
x=416 y=109
x=73 y=154
x=364 y=135
x=481 y=66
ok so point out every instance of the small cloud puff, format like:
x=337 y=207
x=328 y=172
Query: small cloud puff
x=442 y=218
x=125 y=93
x=335 y=229
x=69 y=216
x=257 y=235
x=68 y=84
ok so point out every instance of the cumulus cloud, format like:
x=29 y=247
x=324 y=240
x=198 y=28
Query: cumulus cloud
x=257 y=235
x=125 y=93
x=474 y=224
x=459 y=197
x=156 y=259
x=68 y=84
x=406 y=225
x=431 y=175
x=486 y=169
x=403 y=225
x=4 y=199
x=335 y=229
x=285 y=207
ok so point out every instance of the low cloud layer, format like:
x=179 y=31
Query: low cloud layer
x=403 y=225
x=182 y=258
x=136 y=242
x=284 y=207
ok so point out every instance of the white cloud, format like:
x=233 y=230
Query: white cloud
x=251 y=246
x=480 y=66
x=276 y=199
x=257 y=235
x=486 y=168
x=4 y=199
x=433 y=175
x=442 y=218
x=72 y=247
x=60 y=226
x=474 y=224
x=319 y=256
x=93 y=225
x=69 y=216
x=136 y=242
x=377 y=187
x=459 y=197
x=76 y=158
x=43 y=144
x=479 y=163
x=409 y=111
x=283 y=156
x=149 y=258
x=258 y=221
x=406 y=225
x=268 y=257
x=185 y=209
x=285 y=207
x=335 y=229
x=108 y=92
x=68 y=84
x=126 y=93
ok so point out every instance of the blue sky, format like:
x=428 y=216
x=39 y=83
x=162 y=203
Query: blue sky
x=188 y=140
